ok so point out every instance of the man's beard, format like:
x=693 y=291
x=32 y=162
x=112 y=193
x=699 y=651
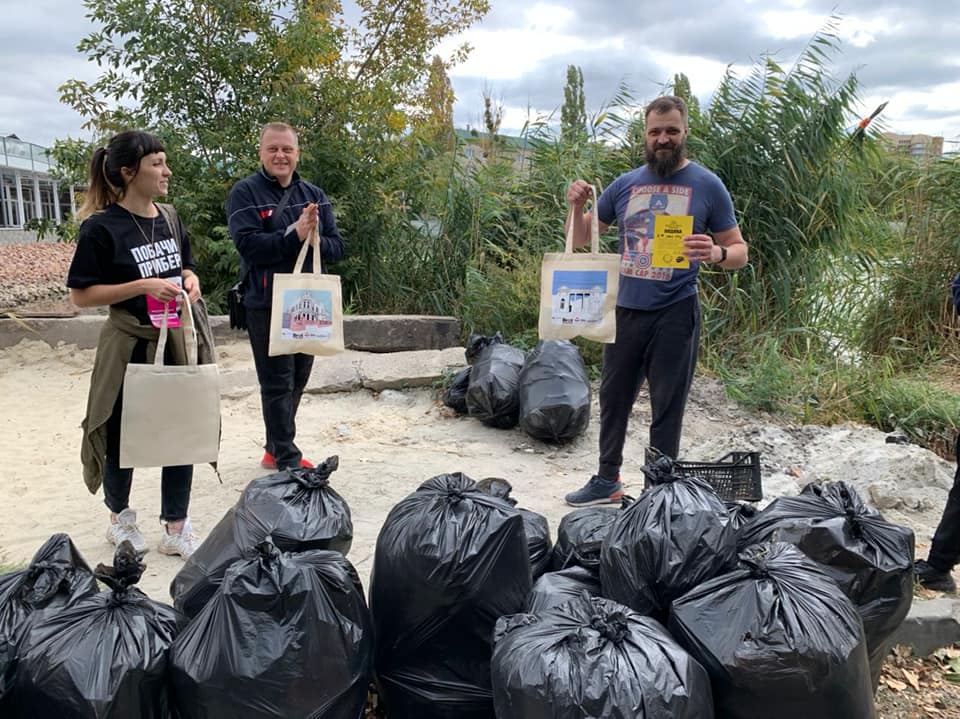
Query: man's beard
x=666 y=164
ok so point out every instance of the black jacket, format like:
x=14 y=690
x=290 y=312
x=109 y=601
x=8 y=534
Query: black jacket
x=268 y=244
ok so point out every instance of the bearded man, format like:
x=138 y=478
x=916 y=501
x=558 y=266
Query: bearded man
x=658 y=311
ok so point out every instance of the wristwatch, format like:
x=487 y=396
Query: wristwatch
x=723 y=255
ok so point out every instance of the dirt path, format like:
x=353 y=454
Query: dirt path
x=388 y=444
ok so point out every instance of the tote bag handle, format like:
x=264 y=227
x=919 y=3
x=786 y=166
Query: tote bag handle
x=312 y=241
x=189 y=332
x=594 y=226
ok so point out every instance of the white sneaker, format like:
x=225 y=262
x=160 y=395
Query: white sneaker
x=185 y=543
x=126 y=529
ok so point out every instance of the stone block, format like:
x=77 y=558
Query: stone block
x=930 y=625
x=408 y=369
x=399 y=333
x=366 y=333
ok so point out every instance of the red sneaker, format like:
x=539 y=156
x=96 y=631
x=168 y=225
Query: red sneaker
x=270 y=462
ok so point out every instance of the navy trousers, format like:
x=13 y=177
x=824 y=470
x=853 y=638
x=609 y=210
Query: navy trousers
x=282 y=382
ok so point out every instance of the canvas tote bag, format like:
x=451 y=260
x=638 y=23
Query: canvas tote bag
x=578 y=291
x=307 y=309
x=171 y=413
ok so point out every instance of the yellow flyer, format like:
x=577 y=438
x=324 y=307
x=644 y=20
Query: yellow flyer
x=668 y=234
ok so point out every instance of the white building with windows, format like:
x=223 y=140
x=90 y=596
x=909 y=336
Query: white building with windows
x=27 y=189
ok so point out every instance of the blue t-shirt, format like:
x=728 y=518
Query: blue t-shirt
x=631 y=202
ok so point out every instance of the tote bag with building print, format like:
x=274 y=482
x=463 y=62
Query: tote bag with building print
x=171 y=413
x=307 y=311
x=578 y=291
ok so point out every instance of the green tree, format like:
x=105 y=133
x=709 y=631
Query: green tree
x=681 y=88
x=71 y=160
x=435 y=120
x=573 y=114
x=492 y=119
x=206 y=74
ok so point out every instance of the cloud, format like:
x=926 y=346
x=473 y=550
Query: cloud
x=901 y=51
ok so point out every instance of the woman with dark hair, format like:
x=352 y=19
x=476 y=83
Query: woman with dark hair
x=132 y=255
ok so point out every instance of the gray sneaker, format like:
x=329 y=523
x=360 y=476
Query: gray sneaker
x=126 y=529
x=184 y=544
x=597 y=491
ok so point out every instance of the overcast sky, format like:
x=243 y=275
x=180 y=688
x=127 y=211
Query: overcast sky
x=904 y=52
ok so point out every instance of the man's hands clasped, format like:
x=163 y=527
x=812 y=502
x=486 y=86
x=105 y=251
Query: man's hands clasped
x=308 y=221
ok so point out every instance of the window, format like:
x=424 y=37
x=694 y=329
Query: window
x=29 y=206
x=47 y=206
x=8 y=201
x=65 y=209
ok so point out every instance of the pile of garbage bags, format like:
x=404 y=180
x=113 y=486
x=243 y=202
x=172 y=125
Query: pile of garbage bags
x=296 y=509
x=788 y=609
x=546 y=391
x=103 y=655
x=672 y=605
x=280 y=629
x=869 y=558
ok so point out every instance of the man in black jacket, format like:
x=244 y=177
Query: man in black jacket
x=269 y=214
x=935 y=572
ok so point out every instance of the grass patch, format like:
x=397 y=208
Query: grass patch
x=877 y=393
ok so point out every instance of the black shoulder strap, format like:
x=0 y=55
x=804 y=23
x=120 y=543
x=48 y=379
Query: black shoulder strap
x=282 y=205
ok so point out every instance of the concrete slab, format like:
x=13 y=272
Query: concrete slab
x=339 y=373
x=408 y=369
x=353 y=371
x=367 y=333
x=930 y=625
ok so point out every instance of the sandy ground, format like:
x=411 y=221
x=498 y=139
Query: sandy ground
x=388 y=443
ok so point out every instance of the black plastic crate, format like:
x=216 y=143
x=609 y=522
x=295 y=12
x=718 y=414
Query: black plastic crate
x=735 y=476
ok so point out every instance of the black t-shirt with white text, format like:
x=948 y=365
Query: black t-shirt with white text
x=112 y=251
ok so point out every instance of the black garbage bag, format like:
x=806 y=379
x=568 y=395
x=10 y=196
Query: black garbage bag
x=104 y=656
x=493 y=396
x=592 y=657
x=870 y=558
x=555 y=588
x=286 y=635
x=539 y=543
x=554 y=392
x=741 y=513
x=580 y=537
x=477 y=343
x=7 y=655
x=56 y=577
x=455 y=396
x=778 y=638
x=536 y=526
x=449 y=561
x=297 y=509
x=676 y=535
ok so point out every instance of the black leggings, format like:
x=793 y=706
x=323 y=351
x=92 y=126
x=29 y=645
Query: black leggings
x=175 y=482
x=659 y=346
